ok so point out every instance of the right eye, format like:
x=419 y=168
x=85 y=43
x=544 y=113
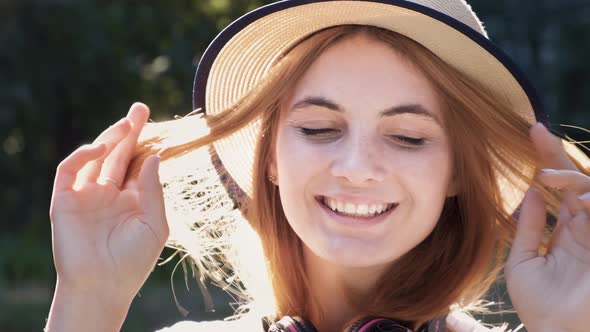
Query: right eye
x=318 y=133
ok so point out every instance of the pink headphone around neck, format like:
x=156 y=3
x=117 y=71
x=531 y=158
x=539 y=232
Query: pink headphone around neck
x=368 y=324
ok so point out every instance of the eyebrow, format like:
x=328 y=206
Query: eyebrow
x=395 y=110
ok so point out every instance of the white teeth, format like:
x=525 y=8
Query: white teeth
x=335 y=206
x=372 y=209
x=362 y=209
x=354 y=209
x=380 y=208
x=350 y=208
x=338 y=206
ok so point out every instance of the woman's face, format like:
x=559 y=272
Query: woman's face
x=361 y=133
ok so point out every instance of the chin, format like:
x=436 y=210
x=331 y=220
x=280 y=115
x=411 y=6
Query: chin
x=353 y=252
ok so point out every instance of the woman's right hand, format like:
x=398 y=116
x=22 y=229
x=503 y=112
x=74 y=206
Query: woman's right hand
x=108 y=232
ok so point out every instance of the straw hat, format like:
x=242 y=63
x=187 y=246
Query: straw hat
x=241 y=56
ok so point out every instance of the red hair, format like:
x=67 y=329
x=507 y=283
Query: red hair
x=466 y=250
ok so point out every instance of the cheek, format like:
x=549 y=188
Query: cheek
x=297 y=160
x=429 y=168
x=302 y=171
x=423 y=179
x=294 y=168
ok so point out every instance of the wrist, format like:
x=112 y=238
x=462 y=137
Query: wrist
x=83 y=309
x=99 y=295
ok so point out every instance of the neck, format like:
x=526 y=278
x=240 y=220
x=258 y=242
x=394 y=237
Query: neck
x=328 y=282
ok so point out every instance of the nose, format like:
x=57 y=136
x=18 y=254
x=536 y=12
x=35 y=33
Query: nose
x=359 y=162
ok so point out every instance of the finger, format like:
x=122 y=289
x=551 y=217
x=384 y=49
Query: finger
x=152 y=196
x=565 y=179
x=111 y=136
x=132 y=184
x=563 y=217
x=530 y=227
x=115 y=165
x=574 y=237
x=572 y=202
x=564 y=214
x=121 y=126
x=572 y=183
x=550 y=150
x=67 y=170
x=580 y=226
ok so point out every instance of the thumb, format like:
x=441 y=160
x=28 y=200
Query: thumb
x=529 y=229
x=152 y=196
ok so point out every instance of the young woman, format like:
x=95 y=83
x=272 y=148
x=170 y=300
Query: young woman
x=378 y=150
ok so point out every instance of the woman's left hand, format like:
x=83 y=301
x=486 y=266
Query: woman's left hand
x=552 y=292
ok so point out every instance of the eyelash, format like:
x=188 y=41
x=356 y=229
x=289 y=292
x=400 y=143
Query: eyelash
x=315 y=132
x=416 y=142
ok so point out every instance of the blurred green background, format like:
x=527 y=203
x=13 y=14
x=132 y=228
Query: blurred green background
x=69 y=69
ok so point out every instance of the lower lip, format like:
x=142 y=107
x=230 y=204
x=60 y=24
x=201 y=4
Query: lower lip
x=355 y=221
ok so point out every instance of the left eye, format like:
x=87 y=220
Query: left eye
x=409 y=140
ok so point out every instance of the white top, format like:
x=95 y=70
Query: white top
x=456 y=321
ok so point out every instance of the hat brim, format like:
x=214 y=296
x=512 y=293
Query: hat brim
x=242 y=54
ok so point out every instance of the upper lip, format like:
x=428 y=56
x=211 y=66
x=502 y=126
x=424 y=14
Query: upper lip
x=354 y=199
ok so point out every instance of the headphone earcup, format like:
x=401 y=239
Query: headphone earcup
x=435 y=325
x=292 y=324
x=305 y=325
x=378 y=324
x=356 y=326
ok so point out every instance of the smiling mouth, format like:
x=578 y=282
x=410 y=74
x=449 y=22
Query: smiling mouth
x=355 y=210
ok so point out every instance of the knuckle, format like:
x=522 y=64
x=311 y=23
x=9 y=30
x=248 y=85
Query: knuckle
x=52 y=213
x=60 y=167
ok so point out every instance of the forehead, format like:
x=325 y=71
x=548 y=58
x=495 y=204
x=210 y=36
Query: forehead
x=361 y=72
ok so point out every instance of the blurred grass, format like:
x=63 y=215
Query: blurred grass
x=25 y=305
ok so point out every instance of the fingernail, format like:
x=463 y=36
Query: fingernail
x=541 y=125
x=584 y=197
x=538 y=124
x=548 y=171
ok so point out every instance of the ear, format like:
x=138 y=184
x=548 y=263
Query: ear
x=272 y=167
